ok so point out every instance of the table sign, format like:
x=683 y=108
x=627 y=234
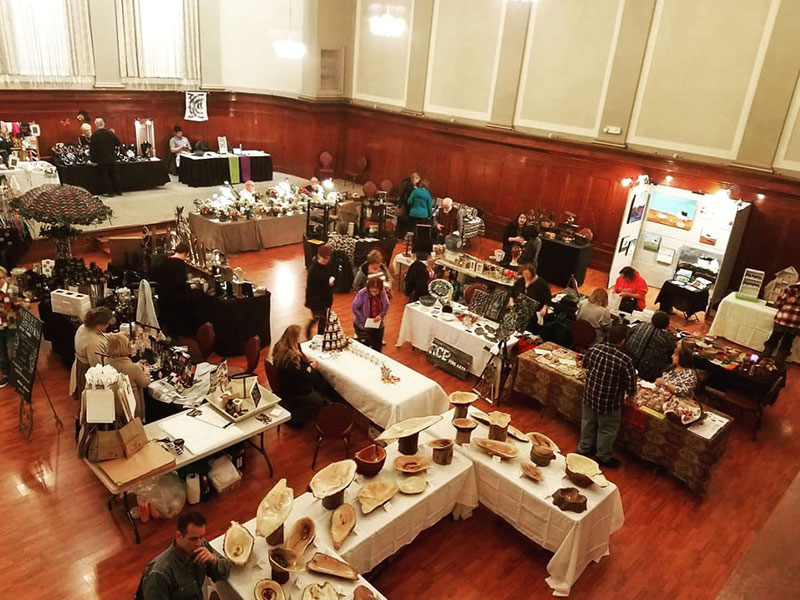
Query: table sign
x=449 y=359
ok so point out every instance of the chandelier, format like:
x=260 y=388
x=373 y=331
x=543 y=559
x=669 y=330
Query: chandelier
x=289 y=48
x=387 y=25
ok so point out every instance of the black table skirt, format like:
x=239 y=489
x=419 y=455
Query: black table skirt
x=686 y=300
x=236 y=320
x=59 y=330
x=215 y=171
x=143 y=175
x=723 y=379
x=559 y=260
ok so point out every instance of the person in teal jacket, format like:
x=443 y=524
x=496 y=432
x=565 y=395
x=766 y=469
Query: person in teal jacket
x=420 y=204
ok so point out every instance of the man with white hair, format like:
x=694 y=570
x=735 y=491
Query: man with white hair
x=448 y=219
x=102 y=153
x=86 y=134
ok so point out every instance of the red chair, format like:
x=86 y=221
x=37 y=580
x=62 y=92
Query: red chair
x=272 y=377
x=387 y=186
x=252 y=352
x=334 y=421
x=370 y=189
x=470 y=290
x=325 y=170
x=583 y=335
x=205 y=340
x=357 y=173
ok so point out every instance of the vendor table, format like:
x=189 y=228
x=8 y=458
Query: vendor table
x=686 y=298
x=747 y=323
x=232 y=237
x=216 y=440
x=29 y=175
x=420 y=325
x=688 y=453
x=576 y=539
x=359 y=383
x=470 y=274
x=400 y=265
x=237 y=319
x=215 y=169
x=59 y=330
x=133 y=176
x=558 y=260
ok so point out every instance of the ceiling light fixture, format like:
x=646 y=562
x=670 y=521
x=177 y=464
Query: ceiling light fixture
x=387 y=25
x=289 y=47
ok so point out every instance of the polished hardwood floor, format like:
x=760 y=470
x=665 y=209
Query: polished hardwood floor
x=59 y=541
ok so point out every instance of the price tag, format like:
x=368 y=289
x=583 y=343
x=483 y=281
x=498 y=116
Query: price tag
x=387 y=507
x=497 y=459
x=356 y=530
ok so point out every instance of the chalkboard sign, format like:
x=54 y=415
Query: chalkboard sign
x=498 y=300
x=449 y=359
x=26 y=352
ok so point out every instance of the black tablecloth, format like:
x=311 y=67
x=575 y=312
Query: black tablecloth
x=215 y=171
x=688 y=300
x=142 y=175
x=236 y=320
x=724 y=379
x=59 y=330
x=559 y=260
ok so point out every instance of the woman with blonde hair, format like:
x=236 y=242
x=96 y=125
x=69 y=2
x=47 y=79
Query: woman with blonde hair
x=118 y=350
x=298 y=378
x=90 y=344
x=595 y=310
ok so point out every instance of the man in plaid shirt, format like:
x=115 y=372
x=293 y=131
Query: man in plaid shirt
x=610 y=376
x=787 y=324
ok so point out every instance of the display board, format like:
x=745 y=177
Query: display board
x=449 y=358
x=498 y=300
x=26 y=353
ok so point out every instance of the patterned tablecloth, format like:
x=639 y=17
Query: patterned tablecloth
x=688 y=453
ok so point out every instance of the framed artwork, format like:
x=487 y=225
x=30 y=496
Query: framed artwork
x=672 y=211
x=196 y=106
x=652 y=242
x=623 y=243
x=709 y=235
x=479 y=302
x=35 y=131
x=222 y=142
x=637 y=207
x=631 y=247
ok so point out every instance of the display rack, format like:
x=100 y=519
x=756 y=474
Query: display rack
x=372 y=214
x=318 y=221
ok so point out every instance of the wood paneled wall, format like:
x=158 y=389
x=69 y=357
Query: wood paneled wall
x=496 y=170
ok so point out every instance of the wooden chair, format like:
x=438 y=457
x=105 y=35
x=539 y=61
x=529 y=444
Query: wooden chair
x=744 y=403
x=387 y=186
x=356 y=173
x=205 y=340
x=325 y=170
x=252 y=352
x=583 y=335
x=469 y=292
x=370 y=189
x=333 y=421
x=272 y=377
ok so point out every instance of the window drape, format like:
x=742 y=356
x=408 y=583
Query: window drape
x=45 y=42
x=158 y=40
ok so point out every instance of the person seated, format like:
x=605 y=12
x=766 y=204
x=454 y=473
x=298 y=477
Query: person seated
x=633 y=289
x=533 y=286
x=177 y=144
x=118 y=351
x=447 y=221
x=300 y=382
x=249 y=191
x=558 y=325
x=532 y=247
x=86 y=134
x=683 y=379
x=419 y=275
x=512 y=235
x=373 y=267
x=313 y=187
x=179 y=573
x=651 y=346
x=595 y=311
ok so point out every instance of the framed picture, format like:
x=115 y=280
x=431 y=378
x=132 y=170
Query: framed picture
x=623 y=243
x=652 y=242
x=637 y=207
x=12 y=161
x=631 y=247
x=672 y=211
x=222 y=142
x=35 y=131
x=709 y=235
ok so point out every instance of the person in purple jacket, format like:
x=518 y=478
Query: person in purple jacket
x=369 y=311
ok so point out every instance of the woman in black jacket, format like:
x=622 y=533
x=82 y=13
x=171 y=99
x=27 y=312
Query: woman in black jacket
x=298 y=378
x=417 y=277
x=319 y=287
x=512 y=234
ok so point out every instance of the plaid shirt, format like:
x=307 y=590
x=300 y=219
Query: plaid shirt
x=789 y=307
x=610 y=377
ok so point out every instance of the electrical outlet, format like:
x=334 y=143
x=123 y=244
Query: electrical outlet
x=612 y=130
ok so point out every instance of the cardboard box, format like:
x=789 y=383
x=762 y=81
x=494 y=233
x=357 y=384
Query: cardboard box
x=70 y=303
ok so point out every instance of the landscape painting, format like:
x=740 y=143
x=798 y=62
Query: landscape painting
x=672 y=211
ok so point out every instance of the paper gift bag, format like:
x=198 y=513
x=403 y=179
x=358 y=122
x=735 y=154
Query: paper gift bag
x=133 y=437
x=105 y=445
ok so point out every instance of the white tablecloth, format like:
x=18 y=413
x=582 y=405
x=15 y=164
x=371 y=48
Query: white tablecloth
x=419 y=326
x=359 y=382
x=576 y=539
x=379 y=534
x=747 y=323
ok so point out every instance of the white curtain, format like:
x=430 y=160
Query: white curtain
x=158 y=40
x=45 y=42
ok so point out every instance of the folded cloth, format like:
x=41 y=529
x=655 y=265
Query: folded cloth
x=145 y=309
x=244 y=162
x=233 y=166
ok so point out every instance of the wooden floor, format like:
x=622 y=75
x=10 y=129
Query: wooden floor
x=59 y=541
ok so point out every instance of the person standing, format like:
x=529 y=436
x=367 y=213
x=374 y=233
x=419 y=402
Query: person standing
x=177 y=143
x=319 y=287
x=102 y=152
x=118 y=349
x=532 y=247
x=179 y=572
x=408 y=185
x=610 y=377
x=369 y=313
x=633 y=289
x=420 y=206
x=373 y=267
x=86 y=135
x=174 y=302
x=533 y=286
x=448 y=220
x=651 y=346
x=513 y=234
x=418 y=276
x=9 y=306
x=786 y=326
